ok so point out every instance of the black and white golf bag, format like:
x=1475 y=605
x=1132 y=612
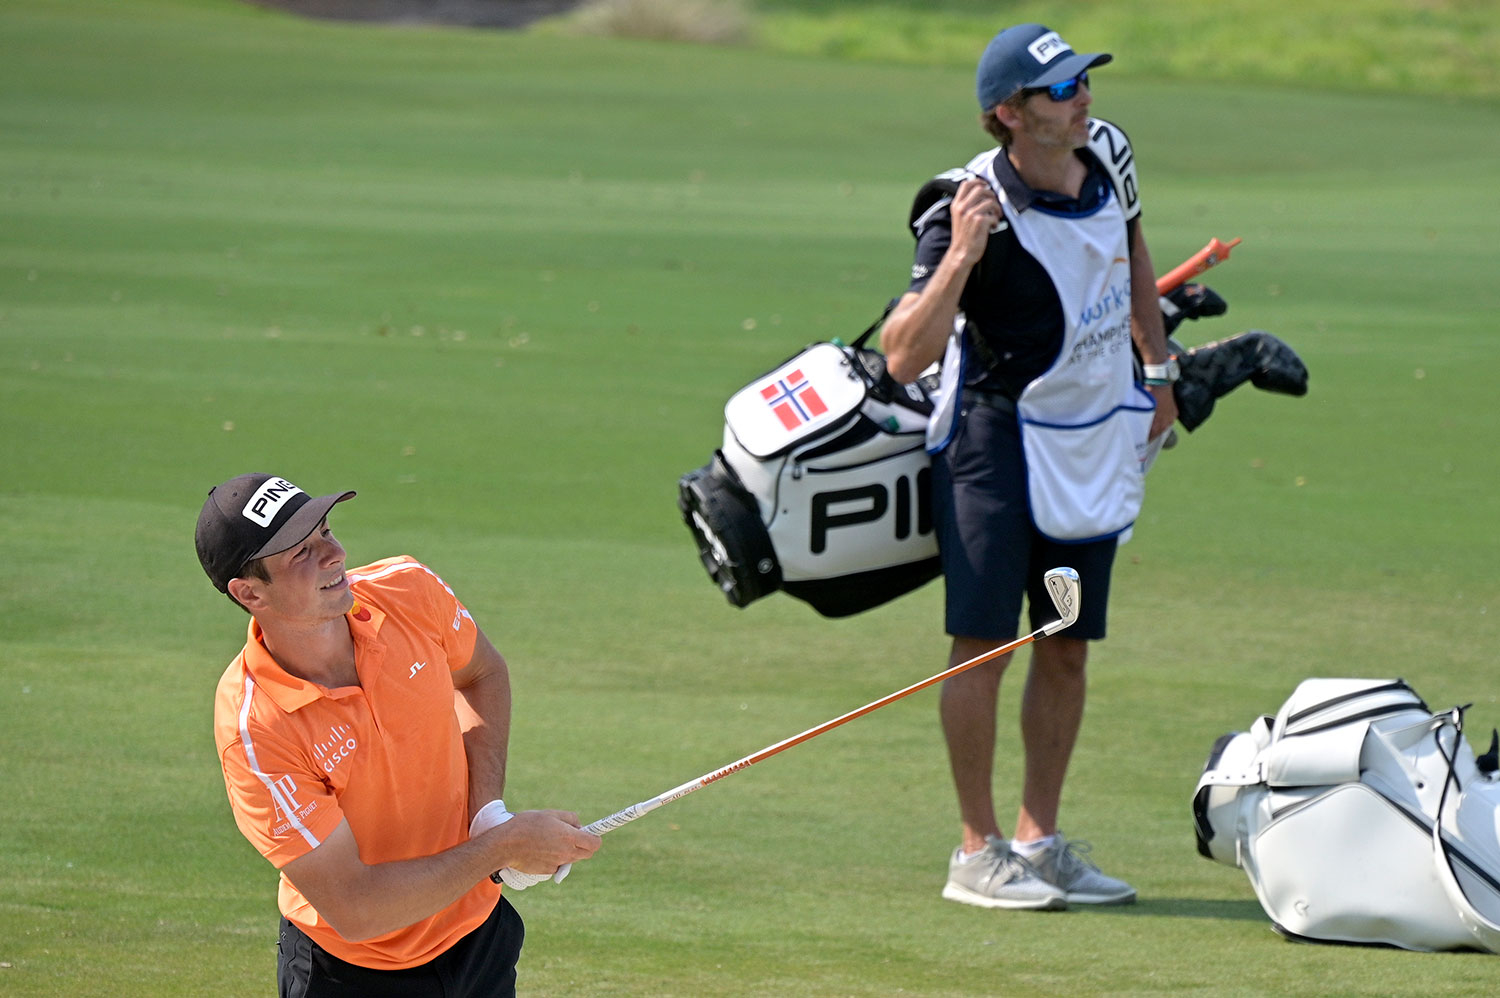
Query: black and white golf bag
x=820 y=487
x=1360 y=816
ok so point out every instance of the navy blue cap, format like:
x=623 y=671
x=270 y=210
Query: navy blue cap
x=1028 y=55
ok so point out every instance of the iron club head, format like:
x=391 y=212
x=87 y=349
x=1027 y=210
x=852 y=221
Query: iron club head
x=1062 y=585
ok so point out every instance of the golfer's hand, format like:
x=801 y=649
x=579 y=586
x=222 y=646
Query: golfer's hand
x=975 y=211
x=547 y=841
x=545 y=836
x=1166 y=409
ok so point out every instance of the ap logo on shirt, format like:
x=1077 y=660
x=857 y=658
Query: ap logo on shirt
x=288 y=812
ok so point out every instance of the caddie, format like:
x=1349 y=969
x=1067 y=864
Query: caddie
x=363 y=731
x=1031 y=282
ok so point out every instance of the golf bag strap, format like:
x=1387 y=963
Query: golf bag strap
x=1485 y=931
x=864 y=337
x=935 y=197
x=1111 y=146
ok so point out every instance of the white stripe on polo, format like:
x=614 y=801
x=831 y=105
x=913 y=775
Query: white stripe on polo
x=287 y=808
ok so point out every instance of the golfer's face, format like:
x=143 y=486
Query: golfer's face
x=308 y=579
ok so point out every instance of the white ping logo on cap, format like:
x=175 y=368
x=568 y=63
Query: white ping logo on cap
x=267 y=500
x=1048 y=47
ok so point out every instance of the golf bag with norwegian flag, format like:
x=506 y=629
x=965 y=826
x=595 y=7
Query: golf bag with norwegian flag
x=820 y=488
x=1360 y=816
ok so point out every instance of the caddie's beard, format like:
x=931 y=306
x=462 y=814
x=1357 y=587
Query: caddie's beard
x=1071 y=132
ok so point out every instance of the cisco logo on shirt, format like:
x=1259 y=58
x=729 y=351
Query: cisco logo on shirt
x=338 y=746
x=266 y=502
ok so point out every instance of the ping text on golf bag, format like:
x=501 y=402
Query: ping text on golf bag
x=821 y=485
x=1360 y=816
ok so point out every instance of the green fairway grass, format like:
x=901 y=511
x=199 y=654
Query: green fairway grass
x=502 y=284
x=1433 y=47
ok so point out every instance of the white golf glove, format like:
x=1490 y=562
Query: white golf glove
x=493 y=815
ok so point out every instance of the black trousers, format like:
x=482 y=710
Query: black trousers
x=480 y=965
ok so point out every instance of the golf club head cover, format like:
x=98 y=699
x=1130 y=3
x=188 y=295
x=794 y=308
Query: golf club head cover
x=1190 y=301
x=492 y=815
x=1213 y=370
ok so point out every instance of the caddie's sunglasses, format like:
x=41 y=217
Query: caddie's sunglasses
x=1066 y=90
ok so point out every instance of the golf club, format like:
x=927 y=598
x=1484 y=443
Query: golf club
x=1062 y=586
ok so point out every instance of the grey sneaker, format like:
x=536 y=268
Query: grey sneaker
x=1065 y=866
x=999 y=878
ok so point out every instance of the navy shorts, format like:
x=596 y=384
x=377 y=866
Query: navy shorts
x=480 y=965
x=992 y=554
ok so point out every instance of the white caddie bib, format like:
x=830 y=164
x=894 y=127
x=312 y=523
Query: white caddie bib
x=1084 y=421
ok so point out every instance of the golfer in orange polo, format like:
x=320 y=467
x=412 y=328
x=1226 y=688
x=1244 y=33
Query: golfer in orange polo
x=362 y=731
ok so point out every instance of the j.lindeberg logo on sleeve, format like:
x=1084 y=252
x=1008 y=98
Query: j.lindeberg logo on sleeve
x=266 y=502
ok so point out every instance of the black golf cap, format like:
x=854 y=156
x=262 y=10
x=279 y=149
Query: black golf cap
x=253 y=516
x=1026 y=56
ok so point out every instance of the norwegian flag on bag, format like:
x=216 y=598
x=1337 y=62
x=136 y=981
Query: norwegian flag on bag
x=793 y=399
x=803 y=396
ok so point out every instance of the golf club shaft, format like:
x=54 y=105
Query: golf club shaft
x=635 y=811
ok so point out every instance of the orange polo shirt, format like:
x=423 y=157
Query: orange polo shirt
x=387 y=754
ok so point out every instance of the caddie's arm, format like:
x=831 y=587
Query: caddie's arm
x=917 y=330
x=362 y=901
x=1146 y=326
x=482 y=702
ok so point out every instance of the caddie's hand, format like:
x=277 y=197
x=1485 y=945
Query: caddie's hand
x=975 y=211
x=1166 y=409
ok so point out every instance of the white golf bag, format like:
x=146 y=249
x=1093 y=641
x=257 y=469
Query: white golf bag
x=1360 y=817
x=820 y=487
